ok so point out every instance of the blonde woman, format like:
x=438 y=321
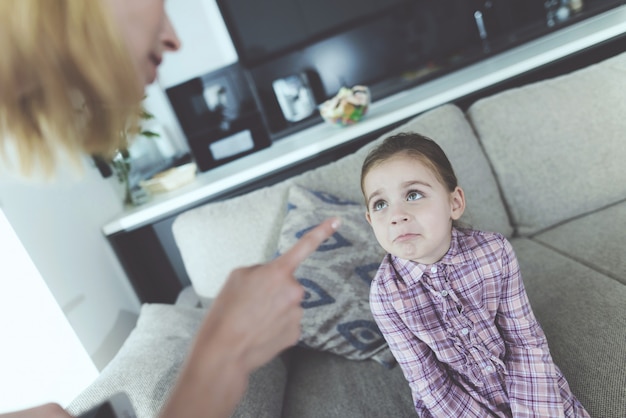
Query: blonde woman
x=71 y=78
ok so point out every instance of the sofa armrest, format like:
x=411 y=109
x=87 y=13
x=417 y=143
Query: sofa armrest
x=148 y=364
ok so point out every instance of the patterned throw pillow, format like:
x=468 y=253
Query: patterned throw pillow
x=337 y=277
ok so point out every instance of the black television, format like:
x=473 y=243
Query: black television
x=264 y=29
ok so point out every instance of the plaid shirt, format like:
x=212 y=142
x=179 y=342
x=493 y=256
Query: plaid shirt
x=465 y=336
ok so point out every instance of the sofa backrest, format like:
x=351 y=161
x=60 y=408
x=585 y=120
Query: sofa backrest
x=216 y=238
x=558 y=147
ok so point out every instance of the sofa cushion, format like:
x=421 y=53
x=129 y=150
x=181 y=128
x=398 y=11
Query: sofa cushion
x=150 y=359
x=596 y=240
x=322 y=384
x=582 y=314
x=337 y=277
x=557 y=146
x=216 y=238
x=265 y=393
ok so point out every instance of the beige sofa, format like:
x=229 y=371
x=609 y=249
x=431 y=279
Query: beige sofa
x=544 y=164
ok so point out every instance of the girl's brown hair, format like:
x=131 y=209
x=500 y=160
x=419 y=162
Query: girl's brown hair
x=415 y=145
x=67 y=81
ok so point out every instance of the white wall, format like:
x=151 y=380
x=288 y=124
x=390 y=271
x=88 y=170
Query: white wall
x=59 y=223
x=205 y=42
x=206 y=46
x=30 y=318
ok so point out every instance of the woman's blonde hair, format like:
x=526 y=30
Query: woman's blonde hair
x=67 y=81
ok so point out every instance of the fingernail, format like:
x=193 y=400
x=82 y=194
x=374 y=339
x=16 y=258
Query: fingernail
x=336 y=223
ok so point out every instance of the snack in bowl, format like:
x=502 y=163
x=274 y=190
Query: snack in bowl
x=170 y=179
x=347 y=107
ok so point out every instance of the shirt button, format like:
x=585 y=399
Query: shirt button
x=465 y=331
x=489 y=369
x=433 y=269
x=444 y=293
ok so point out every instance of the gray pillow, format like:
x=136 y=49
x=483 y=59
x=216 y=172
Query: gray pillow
x=337 y=277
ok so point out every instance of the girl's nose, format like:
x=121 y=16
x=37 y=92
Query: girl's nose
x=399 y=216
x=399 y=220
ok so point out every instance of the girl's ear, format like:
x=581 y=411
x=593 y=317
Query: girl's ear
x=457 y=203
x=368 y=217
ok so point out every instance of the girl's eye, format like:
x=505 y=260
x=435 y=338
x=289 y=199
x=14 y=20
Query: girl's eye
x=413 y=195
x=379 y=205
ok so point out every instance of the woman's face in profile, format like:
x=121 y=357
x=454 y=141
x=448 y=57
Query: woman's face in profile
x=147 y=31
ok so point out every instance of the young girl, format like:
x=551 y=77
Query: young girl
x=450 y=301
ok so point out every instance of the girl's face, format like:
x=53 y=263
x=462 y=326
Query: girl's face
x=147 y=31
x=410 y=210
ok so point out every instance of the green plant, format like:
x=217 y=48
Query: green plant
x=121 y=163
x=145 y=115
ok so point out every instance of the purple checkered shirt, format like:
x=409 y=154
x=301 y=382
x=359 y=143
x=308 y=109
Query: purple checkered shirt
x=465 y=336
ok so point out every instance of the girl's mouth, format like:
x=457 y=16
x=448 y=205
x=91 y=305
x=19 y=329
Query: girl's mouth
x=405 y=237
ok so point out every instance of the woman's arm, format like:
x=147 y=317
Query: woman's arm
x=256 y=315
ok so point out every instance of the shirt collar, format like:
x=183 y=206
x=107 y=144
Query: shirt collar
x=412 y=271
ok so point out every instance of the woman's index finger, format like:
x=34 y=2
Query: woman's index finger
x=308 y=243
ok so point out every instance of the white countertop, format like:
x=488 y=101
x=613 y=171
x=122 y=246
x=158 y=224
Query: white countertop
x=314 y=140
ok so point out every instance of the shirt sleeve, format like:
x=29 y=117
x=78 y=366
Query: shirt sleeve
x=532 y=381
x=434 y=393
